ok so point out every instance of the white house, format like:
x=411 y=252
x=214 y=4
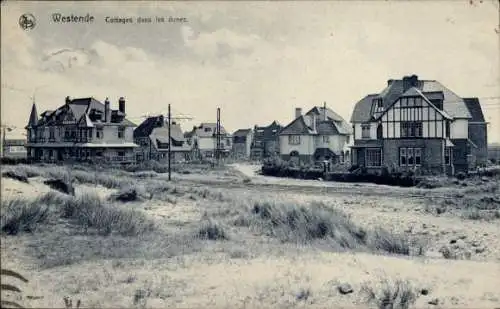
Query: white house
x=319 y=135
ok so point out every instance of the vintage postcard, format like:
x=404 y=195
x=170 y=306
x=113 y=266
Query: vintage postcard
x=250 y=154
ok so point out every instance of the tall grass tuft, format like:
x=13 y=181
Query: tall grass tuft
x=212 y=230
x=391 y=295
x=89 y=211
x=291 y=222
x=21 y=215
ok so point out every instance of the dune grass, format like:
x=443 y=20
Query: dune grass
x=398 y=294
x=308 y=222
x=88 y=211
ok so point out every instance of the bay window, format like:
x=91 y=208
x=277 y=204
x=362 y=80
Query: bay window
x=410 y=156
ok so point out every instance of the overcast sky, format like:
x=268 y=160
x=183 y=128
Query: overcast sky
x=255 y=60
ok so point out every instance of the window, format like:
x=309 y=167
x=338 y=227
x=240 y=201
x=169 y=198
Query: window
x=89 y=133
x=418 y=156
x=447 y=156
x=379 y=103
x=409 y=153
x=411 y=129
x=207 y=129
x=402 y=156
x=410 y=156
x=365 y=131
x=52 y=133
x=326 y=139
x=99 y=133
x=294 y=139
x=121 y=132
x=447 y=129
x=373 y=157
x=348 y=138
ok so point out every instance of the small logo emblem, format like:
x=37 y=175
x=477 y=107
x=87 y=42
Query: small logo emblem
x=27 y=21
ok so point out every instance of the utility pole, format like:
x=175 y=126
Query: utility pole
x=218 y=135
x=169 y=141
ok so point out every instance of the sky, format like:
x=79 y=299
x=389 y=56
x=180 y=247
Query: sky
x=257 y=61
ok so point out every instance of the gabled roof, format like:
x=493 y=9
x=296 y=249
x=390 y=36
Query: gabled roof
x=475 y=110
x=242 y=132
x=363 y=109
x=415 y=92
x=327 y=128
x=200 y=131
x=157 y=128
x=81 y=109
x=297 y=126
x=453 y=105
x=342 y=127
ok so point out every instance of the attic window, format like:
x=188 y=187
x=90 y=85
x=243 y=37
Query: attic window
x=207 y=129
x=379 y=103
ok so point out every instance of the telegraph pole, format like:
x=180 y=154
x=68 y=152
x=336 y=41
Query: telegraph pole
x=169 y=141
x=218 y=135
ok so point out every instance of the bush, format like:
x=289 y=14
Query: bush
x=128 y=194
x=61 y=186
x=461 y=176
x=19 y=176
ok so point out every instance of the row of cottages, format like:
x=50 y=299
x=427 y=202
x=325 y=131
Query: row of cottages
x=81 y=129
x=418 y=124
x=318 y=135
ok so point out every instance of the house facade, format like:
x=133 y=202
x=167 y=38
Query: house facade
x=265 y=142
x=153 y=138
x=242 y=142
x=418 y=125
x=319 y=135
x=203 y=139
x=82 y=129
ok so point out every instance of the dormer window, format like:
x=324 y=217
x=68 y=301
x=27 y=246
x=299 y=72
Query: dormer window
x=378 y=103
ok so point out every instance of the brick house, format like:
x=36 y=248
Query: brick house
x=265 y=141
x=418 y=125
x=242 y=142
x=82 y=129
x=319 y=135
x=152 y=137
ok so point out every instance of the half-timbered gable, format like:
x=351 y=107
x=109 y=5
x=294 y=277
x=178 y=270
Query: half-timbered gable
x=418 y=125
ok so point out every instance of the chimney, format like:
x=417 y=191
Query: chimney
x=298 y=112
x=68 y=100
x=161 y=121
x=410 y=81
x=107 y=111
x=121 y=105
